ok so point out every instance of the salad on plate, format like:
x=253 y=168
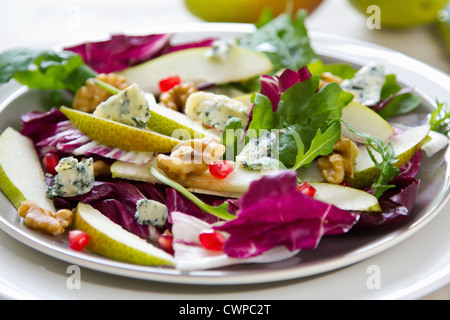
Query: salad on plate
x=205 y=154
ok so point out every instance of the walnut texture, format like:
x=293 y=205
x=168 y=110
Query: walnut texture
x=89 y=96
x=190 y=158
x=45 y=220
x=176 y=97
x=339 y=163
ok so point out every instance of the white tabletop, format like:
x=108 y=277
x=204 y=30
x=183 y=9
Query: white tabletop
x=49 y=22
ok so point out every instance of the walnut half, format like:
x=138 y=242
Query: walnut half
x=45 y=220
x=89 y=96
x=190 y=157
x=176 y=97
x=339 y=163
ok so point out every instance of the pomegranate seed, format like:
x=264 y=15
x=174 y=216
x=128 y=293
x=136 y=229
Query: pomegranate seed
x=50 y=161
x=306 y=189
x=221 y=169
x=78 y=239
x=168 y=83
x=165 y=241
x=212 y=240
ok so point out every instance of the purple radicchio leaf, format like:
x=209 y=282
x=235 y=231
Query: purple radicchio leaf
x=396 y=203
x=176 y=202
x=274 y=87
x=190 y=45
x=117 y=201
x=38 y=125
x=274 y=213
x=122 y=51
x=52 y=132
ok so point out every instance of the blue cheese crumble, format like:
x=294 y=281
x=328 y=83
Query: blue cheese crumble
x=215 y=110
x=220 y=50
x=150 y=212
x=74 y=178
x=366 y=85
x=260 y=153
x=129 y=107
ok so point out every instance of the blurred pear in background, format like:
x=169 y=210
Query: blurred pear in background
x=403 y=13
x=444 y=25
x=245 y=11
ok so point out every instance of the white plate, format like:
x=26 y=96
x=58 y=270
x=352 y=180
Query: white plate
x=333 y=252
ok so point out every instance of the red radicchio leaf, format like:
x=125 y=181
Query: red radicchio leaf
x=117 y=201
x=273 y=213
x=396 y=203
x=175 y=201
x=123 y=51
x=274 y=87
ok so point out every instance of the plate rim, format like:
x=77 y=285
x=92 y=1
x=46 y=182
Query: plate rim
x=122 y=269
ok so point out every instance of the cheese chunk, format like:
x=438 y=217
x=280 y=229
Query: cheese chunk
x=366 y=85
x=215 y=110
x=260 y=153
x=151 y=212
x=130 y=107
x=74 y=178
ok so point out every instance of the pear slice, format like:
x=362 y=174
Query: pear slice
x=346 y=198
x=130 y=171
x=175 y=124
x=197 y=66
x=364 y=119
x=235 y=184
x=405 y=143
x=119 y=135
x=112 y=241
x=21 y=175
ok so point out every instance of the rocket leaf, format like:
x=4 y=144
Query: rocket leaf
x=44 y=69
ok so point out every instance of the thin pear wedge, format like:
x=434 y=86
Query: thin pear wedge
x=175 y=124
x=233 y=185
x=238 y=182
x=119 y=135
x=112 y=241
x=346 y=198
x=197 y=66
x=405 y=143
x=131 y=171
x=362 y=118
x=21 y=175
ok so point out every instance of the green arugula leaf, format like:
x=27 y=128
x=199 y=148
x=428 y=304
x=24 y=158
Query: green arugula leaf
x=284 y=40
x=440 y=118
x=44 y=69
x=321 y=145
x=232 y=138
x=307 y=112
x=217 y=211
x=402 y=103
x=385 y=165
x=342 y=70
x=262 y=115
